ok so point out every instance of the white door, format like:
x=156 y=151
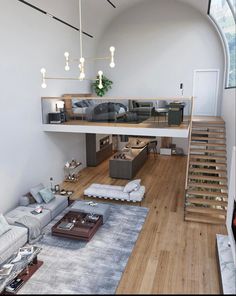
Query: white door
x=205 y=92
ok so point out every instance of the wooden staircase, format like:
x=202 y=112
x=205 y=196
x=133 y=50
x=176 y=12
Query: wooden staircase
x=206 y=186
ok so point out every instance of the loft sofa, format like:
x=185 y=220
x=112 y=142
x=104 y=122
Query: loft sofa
x=11 y=241
x=108 y=111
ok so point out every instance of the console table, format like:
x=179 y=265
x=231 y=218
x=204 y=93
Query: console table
x=127 y=167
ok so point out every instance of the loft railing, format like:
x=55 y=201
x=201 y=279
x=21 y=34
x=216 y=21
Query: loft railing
x=148 y=112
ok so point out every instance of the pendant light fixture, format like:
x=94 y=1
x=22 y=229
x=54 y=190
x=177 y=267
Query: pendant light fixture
x=82 y=61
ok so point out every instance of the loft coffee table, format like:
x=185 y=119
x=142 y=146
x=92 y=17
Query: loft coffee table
x=77 y=225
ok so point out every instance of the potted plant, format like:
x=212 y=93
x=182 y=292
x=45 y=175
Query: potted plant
x=106 y=86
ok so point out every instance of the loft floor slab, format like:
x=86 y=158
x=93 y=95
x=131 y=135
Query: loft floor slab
x=145 y=128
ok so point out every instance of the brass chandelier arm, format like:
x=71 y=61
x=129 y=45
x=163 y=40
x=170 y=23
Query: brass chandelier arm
x=67 y=78
x=90 y=59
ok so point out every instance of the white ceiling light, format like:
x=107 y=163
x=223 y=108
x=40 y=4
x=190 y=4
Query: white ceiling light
x=82 y=60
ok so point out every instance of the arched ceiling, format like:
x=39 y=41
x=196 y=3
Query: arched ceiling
x=97 y=14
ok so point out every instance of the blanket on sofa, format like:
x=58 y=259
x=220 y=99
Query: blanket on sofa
x=34 y=228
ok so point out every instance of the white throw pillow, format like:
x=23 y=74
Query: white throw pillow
x=4 y=226
x=132 y=186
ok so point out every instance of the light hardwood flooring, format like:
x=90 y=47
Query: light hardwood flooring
x=170 y=255
x=148 y=123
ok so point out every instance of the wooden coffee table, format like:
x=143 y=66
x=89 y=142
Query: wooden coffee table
x=83 y=227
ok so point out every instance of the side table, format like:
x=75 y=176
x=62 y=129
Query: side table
x=66 y=193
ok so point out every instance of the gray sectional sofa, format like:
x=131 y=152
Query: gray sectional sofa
x=17 y=236
x=11 y=241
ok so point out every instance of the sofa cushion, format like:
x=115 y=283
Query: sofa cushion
x=4 y=226
x=105 y=192
x=44 y=217
x=104 y=186
x=35 y=192
x=11 y=241
x=56 y=206
x=46 y=195
x=132 y=186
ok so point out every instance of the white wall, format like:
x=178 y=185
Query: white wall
x=29 y=41
x=228 y=114
x=158 y=46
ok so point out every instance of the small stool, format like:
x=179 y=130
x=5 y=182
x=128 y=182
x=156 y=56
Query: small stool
x=152 y=146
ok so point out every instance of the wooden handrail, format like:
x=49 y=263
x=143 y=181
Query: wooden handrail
x=189 y=142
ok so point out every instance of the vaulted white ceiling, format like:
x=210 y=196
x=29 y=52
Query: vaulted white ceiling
x=97 y=14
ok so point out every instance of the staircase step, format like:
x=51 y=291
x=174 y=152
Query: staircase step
x=208 y=178
x=201 y=156
x=207 y=139
x=209 y=121
x=208 y=128
x=206 y=185
x=209 y=133
x=206 y=163
x=208 y=144
x=207 y=193
x=203 y=219
x=207 y=211
x=205 y=201
x=208 y=151
x=207 y=171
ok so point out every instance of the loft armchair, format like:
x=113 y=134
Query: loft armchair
x=161 y=109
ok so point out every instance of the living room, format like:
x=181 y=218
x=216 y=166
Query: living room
x=158 y=46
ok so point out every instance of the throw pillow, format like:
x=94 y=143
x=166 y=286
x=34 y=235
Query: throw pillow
x=132 y=186
x=4 y=226
x=46 y=195
x=35 y=193
x=81 y=104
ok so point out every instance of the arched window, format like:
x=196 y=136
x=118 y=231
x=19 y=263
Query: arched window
x=223 y=14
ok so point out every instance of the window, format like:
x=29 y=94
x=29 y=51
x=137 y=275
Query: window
x=223 y=14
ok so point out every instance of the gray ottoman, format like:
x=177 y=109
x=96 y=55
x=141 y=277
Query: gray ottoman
x=84 y=207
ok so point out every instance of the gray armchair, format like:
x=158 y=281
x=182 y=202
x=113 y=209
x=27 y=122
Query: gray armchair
x=161 y=109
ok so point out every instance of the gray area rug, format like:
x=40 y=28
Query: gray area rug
x=96 y=267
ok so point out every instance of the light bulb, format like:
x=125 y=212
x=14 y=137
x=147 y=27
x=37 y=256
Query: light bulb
x=82 y=75
x=112 y=49
x=44 y=85
x=66 y=54
x=100 y=86
x=100 y=73
x=82 y=60
x=112 y=65
x=67 y=68
x=43 y=70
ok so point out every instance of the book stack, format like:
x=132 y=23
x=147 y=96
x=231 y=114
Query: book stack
x=65 y=225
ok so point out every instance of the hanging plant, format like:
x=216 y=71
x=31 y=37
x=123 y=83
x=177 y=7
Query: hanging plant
x=106 y=86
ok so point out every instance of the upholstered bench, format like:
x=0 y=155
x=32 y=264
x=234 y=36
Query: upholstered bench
x=89 y=207
x=132 y=192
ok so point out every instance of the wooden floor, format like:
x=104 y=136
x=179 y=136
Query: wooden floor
x=171 y=255
x=148 y=123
